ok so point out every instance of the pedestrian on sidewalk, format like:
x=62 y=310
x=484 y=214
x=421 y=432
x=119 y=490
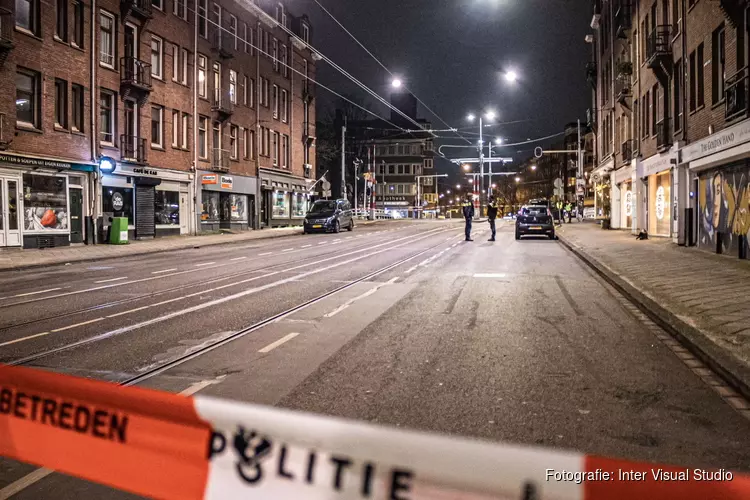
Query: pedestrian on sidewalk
x=468 y=211
x=569 y=210
x=491 y=216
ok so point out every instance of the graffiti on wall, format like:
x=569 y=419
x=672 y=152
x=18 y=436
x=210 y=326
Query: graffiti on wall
x=724 y=204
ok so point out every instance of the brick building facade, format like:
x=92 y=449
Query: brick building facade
x=673 y=136
x=179 y=116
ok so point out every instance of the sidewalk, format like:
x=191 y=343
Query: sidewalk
x=701 y=297
x=17 y=259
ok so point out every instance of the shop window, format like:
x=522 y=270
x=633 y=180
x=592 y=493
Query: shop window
x=300 y=205
x=45 y=200
x=659 y=213
x=234 y=207
x=280 y=204
x=118 y=202
x=167 y=208
x=210 y=206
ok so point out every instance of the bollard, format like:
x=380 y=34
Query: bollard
x=743 y=246
x=719 y=246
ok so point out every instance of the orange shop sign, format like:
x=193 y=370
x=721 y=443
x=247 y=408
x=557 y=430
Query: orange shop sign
x=210 y=179
x=226 y=182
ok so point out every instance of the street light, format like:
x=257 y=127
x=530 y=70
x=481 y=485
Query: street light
x=467 y=167
x=511 y=76
x=494 y=186
x=448 y=191
x=490 y=115
x=396 y=83
x=533 y=167
x=518 y=179
x=458 y=186
x=471 y=117
x=498 y=141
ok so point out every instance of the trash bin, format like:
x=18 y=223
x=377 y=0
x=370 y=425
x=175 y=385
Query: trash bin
x=118 y=234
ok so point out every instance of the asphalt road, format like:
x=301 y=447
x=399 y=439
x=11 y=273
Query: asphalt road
x=511 y=341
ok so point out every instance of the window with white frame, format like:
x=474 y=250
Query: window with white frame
x=203 y=18
x=157 y=56
x=233 y=146
x=158 y=4
x=244 y=37
x=184 y=57
x=107 y=112
x=202 y=137
x=245 y=145
x=251 y=41
x=233 y=30
x=285 y=151
x=275 y=150
x=305 y=33
x=275 y=54
x=284 y=106
x=284 y=61
x=175 y=62
x=157 y=126
x=233 y=86
x=107 y=39
x=179 y=10
x=27 y=16
x=428 y=163
x=276 y=102
x=185 y=129
x=202 y=84
x=251 y=145
x=175 y=128
x=244 y=90
x=251 y=92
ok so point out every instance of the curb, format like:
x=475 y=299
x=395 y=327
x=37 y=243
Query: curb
x=734 y=373
x=137 y=253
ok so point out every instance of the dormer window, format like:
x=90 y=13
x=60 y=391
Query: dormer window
x=305 y=33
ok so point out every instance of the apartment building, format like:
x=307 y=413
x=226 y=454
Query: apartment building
x=681 y=117
x=179 y=116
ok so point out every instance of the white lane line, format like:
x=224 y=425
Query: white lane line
x=264 y=253
x=287 y=250
x=199 y=386
x=306 y=246
x=283 y=340
x=95 y=320
x=348 y=237
x=323 y=243
x=22 y=340
x=23 y=483
x=245 y=293
x=35 y=293
x=412 y=269
x=239 y=258
x=204 y=264
x=111 y=280
x=129 y=311
x=355 y=299
x=164 y=271
x=490 y=275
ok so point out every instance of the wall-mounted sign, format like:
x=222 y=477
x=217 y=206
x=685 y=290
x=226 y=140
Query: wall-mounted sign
x=145 y=171
x=628 y=203
x=107 y=165
x=210 y=179
x=226 y=182
x=117 y=201
x=34 y=162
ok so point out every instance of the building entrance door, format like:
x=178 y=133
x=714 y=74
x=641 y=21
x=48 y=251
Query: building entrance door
x=10 y=232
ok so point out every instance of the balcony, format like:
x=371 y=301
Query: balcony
x=734 y=10
x=626 y=151
x=222 y=43
x=222 y=105
x=663 y=135
x=135 y=77
x=140 y=9
x=736 y=95
x=220 y=160
x=132 y=149
x=623 y=17
x=623 y=90
x=659 y=50
x=591 y=73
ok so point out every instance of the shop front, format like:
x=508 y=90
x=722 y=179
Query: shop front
x=601 y=178
x=398 y=207
x=653 y=189
x=622 y=198
x=284 y=199
x=717 y=171
x=155 y=201
x=227 y=202
x=43 y=202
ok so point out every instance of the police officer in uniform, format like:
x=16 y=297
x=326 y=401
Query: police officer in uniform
x=468 y=210
x=491 y=216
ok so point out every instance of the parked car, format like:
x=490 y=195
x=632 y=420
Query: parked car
x=535 y=219
x=329 y=216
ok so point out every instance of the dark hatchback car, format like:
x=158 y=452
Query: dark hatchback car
x=329 y=215
x=535 y=219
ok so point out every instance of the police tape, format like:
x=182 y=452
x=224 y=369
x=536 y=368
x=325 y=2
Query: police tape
x=168 y=446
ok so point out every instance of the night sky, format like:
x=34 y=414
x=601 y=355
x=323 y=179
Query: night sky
x=450 y=54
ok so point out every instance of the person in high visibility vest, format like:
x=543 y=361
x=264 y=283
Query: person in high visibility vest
x=468 y=212
x=569 y=210
x=491 y=216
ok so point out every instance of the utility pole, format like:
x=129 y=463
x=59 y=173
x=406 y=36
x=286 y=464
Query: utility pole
x=343 y=159
x=489 y=186
x=481 y=170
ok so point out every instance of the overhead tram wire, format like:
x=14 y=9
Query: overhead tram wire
x=450 y=129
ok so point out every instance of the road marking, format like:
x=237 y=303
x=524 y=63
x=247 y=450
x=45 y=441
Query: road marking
x=22 y=340
x=199 y=386
x=306 y=246
x=222 y=300
x=412 y=269
x=490 y=275
x=164 y=271
x=112 y=279
x=77 y=324
x=348 y=238
x=204 y=264
x=355 y=299
x=24 y=482
x=323 y=243
x=283 y=340
x=129 y=311
x=264 y=253
x=287 y=249
x=36 y=293
x=239 y=258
